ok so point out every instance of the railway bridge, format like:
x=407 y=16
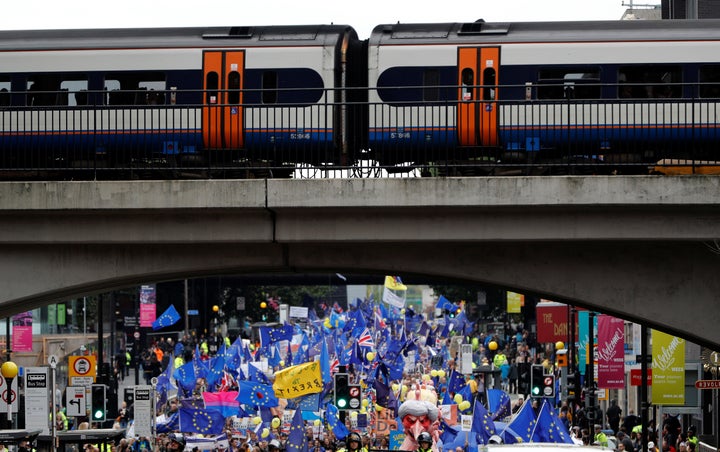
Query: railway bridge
x=644 y=248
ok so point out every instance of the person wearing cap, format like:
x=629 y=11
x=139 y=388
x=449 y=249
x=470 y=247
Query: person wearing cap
x=177 y=442
x=600 y=438
x=651 y=447
x=353 y=443
x=274 y=445
x=691 y=437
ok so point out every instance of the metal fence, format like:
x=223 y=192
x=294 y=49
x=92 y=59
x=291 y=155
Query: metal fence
x=359 y=139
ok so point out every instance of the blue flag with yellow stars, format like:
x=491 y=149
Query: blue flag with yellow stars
x=523 y=423
x=207 y=422
x=185 y=377
x=337 y=427
x=167 y=318
x=296 y=440
x=256 y=394
x=498 y=403
x=482 y=423
x=549 y=428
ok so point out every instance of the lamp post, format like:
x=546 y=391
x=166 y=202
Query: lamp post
x=9 y=371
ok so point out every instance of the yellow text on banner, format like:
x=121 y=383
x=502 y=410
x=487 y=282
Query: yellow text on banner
x=297 y=381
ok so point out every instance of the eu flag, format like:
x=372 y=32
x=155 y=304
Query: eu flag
x=256 y=394
x=523 y=423
x=482 y=423
x=207 y=422
x=498 y=403
x=549 y=428
x=337 y=427
x=296 y=440
x=168 y=318
x=185 y=377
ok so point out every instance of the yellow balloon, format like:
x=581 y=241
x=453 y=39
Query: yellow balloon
x=425 y=377
x=353 y=415
x=257 y=420
x=363 y=410
x=474 y=365
x=493 y=345
x=281 y=363
x=370 y=356
x=559 y=345
x=441 y=373
x=458 y=398
x=316 y=422
x=464 y=405
x=365 y=403
x=265 y=433
x=275 y=422
x=402 y=311
x=378 y=407
x=263 y=305
x=434 y=373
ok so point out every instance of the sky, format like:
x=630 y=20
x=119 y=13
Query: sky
x=363 y=15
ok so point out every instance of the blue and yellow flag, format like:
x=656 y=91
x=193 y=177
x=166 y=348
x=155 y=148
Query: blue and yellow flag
x=394 y=283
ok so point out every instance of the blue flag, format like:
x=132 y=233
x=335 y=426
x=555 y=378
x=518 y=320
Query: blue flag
x=256 y=394
x=168 y=318
x=498 y=403
x=270 y=335
x=336 y=426
x=296 y=440
x=482 y=423
x=207 y=422
x=325 y=363
x=456 y=382
x=523 y=423
x=185 y=377
x=170 y=424
x=549 y=428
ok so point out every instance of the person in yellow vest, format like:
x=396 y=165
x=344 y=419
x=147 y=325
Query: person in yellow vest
x=61 y=421
x=424 y=442
x=600 y=438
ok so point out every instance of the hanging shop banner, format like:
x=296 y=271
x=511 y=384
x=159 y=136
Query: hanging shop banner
x=552 y=321
x=668 y=364
x=147 y=305
x=22 y=332
x=515 y=302
x=584 y=339
x=611 y=352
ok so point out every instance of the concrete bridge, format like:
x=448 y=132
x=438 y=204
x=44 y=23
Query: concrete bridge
x=643 y=248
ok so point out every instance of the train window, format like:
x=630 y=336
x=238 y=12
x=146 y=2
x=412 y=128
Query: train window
x=569 y=83
x=56 y=89
x=468 y=80
x=135 y=88
x=269 y=87
x=431 y=85
x=4 y=91
x=641 y=82
x=489 y=84
x=212 y=85
x=234 y=88
x=710 y=81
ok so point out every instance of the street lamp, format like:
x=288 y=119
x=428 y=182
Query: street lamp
x=9 y=371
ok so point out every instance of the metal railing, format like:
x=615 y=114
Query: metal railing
x=356 y=139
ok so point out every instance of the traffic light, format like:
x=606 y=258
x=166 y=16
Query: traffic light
x=342 y=391
x=536 y=380
x=573 y=388
x=97 y=404
x=541 y=385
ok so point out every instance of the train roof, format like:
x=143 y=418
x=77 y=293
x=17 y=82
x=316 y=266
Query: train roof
x=240 y=36
x=571 y=31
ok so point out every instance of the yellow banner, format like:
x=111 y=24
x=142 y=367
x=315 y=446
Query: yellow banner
x=514 y=302
x=668 y=369
x=298 y=381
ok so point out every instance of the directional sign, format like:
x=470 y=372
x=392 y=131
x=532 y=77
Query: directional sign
x=76 y=401
x=707 y=384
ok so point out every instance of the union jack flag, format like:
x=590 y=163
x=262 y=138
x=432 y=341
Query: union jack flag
x=366 y=339
x=227 y=382
x=334 y=365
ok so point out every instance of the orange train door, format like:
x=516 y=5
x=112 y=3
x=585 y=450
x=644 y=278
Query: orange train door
x=477 y=101
x=222 y=123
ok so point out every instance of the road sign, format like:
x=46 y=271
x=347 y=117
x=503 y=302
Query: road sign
x=6 y=395
x=143 y=411
x=707 y=384
x=52 y=361
x=81 y=366
x=82 y=381
x=76 y=401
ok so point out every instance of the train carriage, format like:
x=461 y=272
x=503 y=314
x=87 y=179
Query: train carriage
x=620 y=92
x=217 y=96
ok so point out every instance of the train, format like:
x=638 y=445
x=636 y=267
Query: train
x=478 y=97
